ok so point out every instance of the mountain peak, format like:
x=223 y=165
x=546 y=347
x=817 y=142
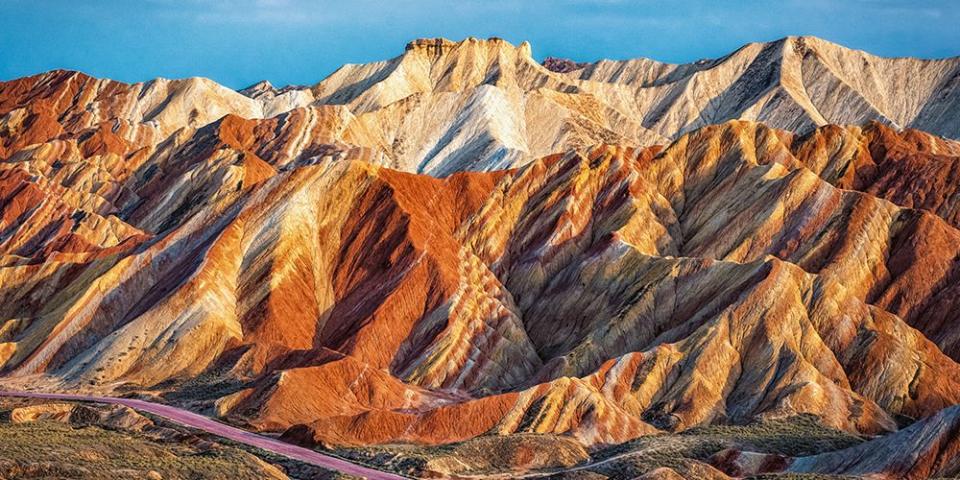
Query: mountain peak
x=430 y=44
x=260 y=86
x=440 y=45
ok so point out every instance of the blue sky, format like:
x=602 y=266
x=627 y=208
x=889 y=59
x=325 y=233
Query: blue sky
x=237 y=42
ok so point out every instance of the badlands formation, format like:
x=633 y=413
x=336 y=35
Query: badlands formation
x=461 y=243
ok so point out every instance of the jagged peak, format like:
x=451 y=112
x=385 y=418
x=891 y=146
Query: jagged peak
x=440 y=45
x=815 y=43
x=561 y=65
x=262 y=85
x=799 y=44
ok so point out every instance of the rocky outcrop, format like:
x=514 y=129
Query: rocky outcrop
x=739 y=463
x=113 y=417
x=561 y=65
x=516 y=454
x=59 y=412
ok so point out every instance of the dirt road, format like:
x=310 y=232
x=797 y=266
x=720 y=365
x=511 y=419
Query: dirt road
x=200 y=422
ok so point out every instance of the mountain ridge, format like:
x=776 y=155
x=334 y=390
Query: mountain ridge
x=457 y=105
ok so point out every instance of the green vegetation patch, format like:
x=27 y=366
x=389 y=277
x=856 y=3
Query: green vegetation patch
x=50 y=449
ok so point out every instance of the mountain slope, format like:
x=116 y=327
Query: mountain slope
x=793 y=83
x=604 y=294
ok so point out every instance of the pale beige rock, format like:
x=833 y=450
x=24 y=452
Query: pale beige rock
x=57 y=412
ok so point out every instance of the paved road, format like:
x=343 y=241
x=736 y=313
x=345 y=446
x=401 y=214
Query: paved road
x=200 y=422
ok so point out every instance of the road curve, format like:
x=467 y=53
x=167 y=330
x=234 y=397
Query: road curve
x=200 y=422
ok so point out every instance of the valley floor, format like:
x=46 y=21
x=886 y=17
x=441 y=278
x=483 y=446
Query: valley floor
x=700 y=453
x=79 y=436
x=54 y=436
